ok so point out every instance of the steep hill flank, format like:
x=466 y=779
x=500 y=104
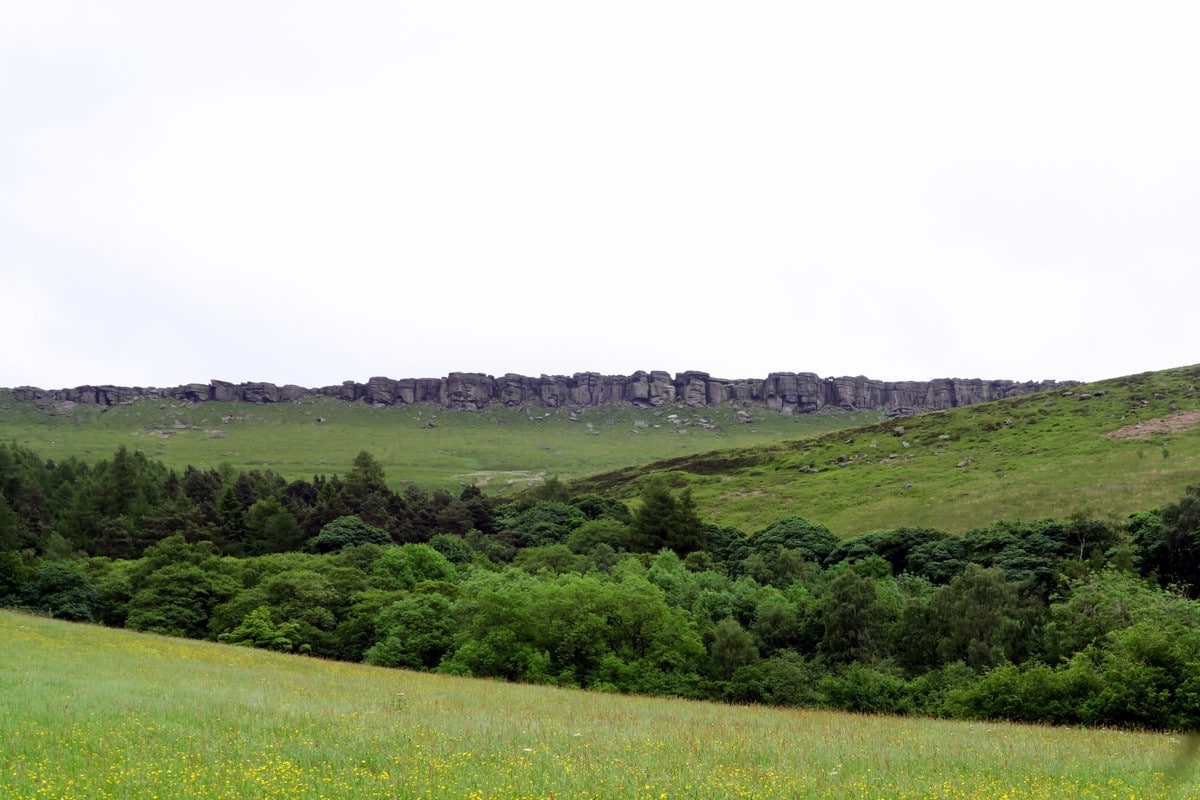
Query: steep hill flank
x=1101 y=450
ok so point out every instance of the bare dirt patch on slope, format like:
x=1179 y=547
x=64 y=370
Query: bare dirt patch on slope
x=1184 y=420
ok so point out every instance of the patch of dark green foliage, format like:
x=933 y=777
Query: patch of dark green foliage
x=1064 y=621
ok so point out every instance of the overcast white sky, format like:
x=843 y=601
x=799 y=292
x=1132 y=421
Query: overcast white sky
x=309 y=192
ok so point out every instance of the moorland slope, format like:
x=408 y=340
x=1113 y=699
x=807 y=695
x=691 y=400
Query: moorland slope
x=1101 y=450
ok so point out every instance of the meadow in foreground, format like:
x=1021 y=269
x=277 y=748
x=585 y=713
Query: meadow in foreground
x=97 y=713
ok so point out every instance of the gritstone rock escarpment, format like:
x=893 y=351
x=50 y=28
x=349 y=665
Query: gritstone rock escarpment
x=783 y=392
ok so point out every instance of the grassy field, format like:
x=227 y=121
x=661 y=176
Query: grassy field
x=499 y=448
x=98 y=713
x=1047 y=455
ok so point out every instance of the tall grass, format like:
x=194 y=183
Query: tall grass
x=97 y=713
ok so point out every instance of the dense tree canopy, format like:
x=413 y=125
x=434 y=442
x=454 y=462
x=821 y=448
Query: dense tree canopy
x=1065 y=621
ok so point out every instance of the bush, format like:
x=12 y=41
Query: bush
x=866 y=689
x=545 y=523
x=595 y=532
x=784 y=680
x=1033 y=692
x=408 y=565
x=812 y=541
x=345 y=532
x=552 y=559
x=62 y=589
x=415 y=632
x=454 y=548
x=1150 y=678
x=258 y=630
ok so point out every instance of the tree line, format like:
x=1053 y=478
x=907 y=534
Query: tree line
x=1069 y=621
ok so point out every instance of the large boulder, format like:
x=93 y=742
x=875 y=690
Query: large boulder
x=794 y=393
x=468 y=390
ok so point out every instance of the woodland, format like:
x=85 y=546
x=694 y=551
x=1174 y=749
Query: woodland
x=1062 y=621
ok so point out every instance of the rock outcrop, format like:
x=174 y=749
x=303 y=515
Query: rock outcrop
x=783 y=392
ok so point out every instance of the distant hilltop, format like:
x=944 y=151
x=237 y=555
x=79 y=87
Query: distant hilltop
x=784 y=392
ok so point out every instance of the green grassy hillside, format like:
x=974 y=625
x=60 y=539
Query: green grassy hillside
x=97 y=713
x=501 y=449
x=1047 y=455
x=1058 y=454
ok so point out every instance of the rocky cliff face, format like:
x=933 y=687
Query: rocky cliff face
x=784 y=392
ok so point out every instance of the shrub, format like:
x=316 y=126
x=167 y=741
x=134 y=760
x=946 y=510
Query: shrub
x=866 y=689
x=345 y=532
